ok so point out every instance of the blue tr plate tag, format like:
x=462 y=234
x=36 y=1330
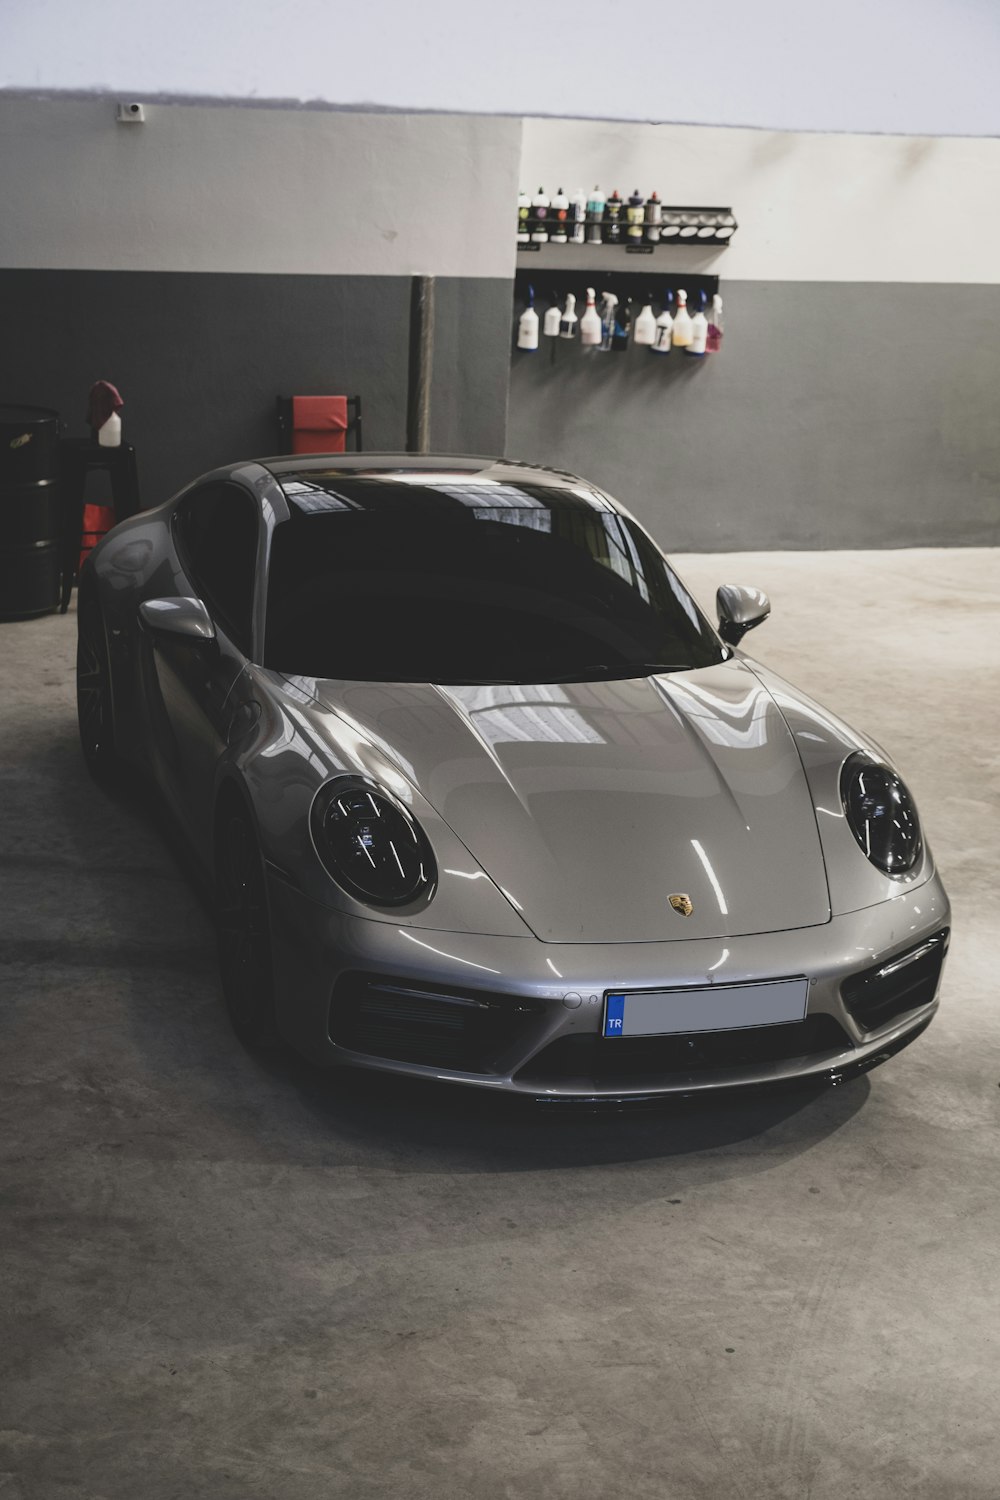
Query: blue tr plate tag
x=614 y=1015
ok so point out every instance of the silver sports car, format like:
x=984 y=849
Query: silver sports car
x=485 y=797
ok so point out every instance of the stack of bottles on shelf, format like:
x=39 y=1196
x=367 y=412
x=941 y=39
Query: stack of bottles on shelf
x=632 y=221
x=614 y=325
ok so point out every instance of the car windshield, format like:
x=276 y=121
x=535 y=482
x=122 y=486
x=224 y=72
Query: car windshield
x=476 y=592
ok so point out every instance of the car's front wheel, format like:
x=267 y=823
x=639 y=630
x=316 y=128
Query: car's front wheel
x=244 y=930
x=94 y=700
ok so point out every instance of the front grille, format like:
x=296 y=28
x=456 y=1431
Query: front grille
x=622 y=1059
x=897 y=985
x=435 y=1025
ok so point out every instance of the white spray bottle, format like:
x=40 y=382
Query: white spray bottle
x=699 y=330
x=681 y=334
x=663 y=342
x=590 y=323
x=644 y=327
x=527 y=328
x=550 y=323
x=567 y=327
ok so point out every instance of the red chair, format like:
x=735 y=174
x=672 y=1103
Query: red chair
x=318 y=424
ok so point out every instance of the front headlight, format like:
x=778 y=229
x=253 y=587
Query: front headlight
x=370 y=844
x=881 y=814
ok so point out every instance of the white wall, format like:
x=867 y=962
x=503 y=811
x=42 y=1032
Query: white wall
x=810 y=207
x=242 y=189
x=914 y=66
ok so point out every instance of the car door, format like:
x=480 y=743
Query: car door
x=216 y=534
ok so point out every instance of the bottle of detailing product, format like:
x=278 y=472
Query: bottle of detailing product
x=654 y=218
x=635 y=213
x=527 y=328
x=608 y=304
x=109 y=434
x=595 y=217
x=539 y=218
x=681 y=334
x=714 y=341
x=644 y=331
x=523 y=216
x=590 y=323
x=550 y=323
x=699 y=329
x=613 y=219
x=567 y=326
x=623 y=327
x=663 y=342
x=559 y=216
x=578 y=217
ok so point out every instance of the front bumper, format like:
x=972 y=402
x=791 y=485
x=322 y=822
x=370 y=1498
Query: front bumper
x=539 y=1006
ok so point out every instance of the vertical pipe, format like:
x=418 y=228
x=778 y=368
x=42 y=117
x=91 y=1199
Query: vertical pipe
x=418 y=404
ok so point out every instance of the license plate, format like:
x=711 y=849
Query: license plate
x=717 y=1007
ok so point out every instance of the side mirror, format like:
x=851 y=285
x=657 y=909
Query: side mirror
x=187 y=618
x=740 y=609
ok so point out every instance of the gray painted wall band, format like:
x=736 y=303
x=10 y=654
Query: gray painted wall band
x=834 y=416
x=200 y=358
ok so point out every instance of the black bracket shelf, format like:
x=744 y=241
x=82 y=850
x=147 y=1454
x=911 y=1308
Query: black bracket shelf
x=644 y=281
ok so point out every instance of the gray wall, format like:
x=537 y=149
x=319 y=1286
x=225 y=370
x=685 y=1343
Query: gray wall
x=200 y=357
x=835 y=416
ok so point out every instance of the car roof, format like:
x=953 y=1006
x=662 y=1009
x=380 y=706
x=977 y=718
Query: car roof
x=365 y=480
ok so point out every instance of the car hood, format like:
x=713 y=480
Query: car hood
x=591 y=804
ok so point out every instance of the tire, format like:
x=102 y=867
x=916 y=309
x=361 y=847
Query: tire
x=94 y=695
x=244 y=930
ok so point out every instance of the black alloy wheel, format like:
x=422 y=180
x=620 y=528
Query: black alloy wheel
x=94 y=702
x=244 y=932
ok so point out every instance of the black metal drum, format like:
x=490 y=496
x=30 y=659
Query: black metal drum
x=30 y=511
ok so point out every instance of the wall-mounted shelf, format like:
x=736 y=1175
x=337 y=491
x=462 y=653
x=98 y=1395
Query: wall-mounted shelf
x=690 y=239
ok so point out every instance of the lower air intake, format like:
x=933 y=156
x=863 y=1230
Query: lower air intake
x=903 y=983
x=436 y=1026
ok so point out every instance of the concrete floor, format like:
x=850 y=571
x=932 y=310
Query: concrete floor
x=236 y=1282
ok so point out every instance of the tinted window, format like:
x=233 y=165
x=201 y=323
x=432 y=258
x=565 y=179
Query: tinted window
x=217 y=531
x=471 y=593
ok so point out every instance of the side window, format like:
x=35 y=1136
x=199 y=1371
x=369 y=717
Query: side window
x=217 y=533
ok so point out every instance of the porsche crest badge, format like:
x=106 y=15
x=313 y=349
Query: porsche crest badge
x=682 y=903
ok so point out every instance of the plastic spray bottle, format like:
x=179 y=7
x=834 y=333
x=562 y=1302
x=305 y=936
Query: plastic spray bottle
x=550 y=323
x=608 y=304
x=644 y=331
x=527 y=328
x=567 y=327
x=681 y=334
x=623 y=327
x=590 y=323
x=699 y=329
x=663 y=342
x=714 y=341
